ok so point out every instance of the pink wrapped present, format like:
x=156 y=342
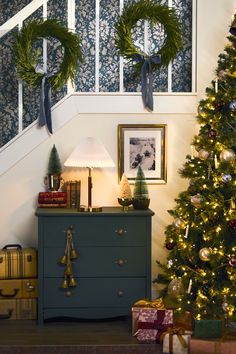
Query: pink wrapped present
x=147 y=335
x=147 y=318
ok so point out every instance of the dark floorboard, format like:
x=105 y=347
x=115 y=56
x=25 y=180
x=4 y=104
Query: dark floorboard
x=72 y=337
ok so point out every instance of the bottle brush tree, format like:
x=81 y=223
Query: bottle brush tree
x=201 y=264
x=140 y=196
x=125 y=190
x=54 y=163
x=140 y=185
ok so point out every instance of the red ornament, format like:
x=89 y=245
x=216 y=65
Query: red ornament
x=218 y=106
x=232 y=223
x=212 y=133
x=169 y=246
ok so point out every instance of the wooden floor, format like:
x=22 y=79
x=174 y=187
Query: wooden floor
x=72 y=337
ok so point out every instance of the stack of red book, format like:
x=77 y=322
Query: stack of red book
x=52 y=200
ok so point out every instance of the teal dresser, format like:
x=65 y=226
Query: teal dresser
x=113 y=268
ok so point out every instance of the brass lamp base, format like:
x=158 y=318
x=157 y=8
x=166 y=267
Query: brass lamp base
x=93 y=209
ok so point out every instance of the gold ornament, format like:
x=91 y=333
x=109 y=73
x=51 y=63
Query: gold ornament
x=179 y=223
x=204 y=254
x=203 y=154
x=196 y=200
x=227 y=155
x=175 y=288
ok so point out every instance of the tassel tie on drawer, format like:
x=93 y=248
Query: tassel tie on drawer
x=69 y=255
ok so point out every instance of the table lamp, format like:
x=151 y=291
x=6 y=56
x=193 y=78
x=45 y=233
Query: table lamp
x=89 y=153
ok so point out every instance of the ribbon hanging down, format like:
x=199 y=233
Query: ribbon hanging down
x=45 y=116
x=147 y=77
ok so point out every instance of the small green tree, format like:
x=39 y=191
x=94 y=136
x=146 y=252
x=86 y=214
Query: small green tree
x=54 y=164
x=140 y=186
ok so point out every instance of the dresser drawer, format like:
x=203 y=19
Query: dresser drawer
x=94 y=292
x=98 y=261
x=98 y=231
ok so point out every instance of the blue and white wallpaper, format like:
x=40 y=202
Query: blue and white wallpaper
x=107 y=60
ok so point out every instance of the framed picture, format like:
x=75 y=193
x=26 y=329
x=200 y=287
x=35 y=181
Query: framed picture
x=144 y=145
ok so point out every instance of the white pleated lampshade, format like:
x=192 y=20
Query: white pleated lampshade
x=90 y=152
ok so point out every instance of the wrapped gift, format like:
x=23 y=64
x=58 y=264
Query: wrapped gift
x=175 y=341
x=208 y=329
x=147 y=335
x=151 y=315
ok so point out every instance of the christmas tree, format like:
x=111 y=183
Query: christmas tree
x=200 y=272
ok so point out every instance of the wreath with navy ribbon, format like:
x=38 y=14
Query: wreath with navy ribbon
x=29 y=69
x=157 y=13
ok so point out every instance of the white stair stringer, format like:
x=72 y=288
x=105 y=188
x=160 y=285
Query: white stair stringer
x=34 y=135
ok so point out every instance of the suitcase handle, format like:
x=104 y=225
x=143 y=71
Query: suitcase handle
x=14 y=245
x=15 y=291
x=7 y=315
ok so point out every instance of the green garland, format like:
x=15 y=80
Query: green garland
x=157 y=13
x=26 y=59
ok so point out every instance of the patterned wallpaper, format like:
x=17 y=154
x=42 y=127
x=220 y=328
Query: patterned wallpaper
x=109 y=62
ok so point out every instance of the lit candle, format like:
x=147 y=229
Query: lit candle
x=216 y=85
x=216 y=161
x=192 y=150
x=186 y=231
x=190 y=286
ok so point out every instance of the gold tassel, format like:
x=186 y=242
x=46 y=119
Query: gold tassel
x=64 y=284
x=72 y=282
x=73 y=254
x=68 y=269
x=63 y=259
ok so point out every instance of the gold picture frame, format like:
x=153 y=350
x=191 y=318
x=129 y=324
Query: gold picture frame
x=144 y=145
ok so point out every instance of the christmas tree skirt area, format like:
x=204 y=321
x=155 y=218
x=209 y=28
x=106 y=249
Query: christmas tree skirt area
x=72 y=337
x=200 y=346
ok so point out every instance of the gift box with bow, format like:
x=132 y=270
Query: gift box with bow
x=175 y=341
x=150 y=319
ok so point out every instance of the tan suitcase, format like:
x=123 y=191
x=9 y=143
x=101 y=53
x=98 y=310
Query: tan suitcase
x=17 y=262
x=18 y=309
x=18 y=288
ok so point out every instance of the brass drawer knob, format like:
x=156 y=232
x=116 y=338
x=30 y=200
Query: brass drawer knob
x=121 y=262
x=120 y=293
x=120 y=232
x=29 y=287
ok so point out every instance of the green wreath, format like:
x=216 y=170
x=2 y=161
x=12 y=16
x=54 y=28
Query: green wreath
x=26 y=59
x=157 y=13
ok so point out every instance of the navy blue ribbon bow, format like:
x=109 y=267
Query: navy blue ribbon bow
x=147 y=77
x=45 y=116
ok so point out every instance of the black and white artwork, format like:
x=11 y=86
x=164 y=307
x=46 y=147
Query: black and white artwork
x=142 y=145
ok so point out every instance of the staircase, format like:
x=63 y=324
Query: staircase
x=94 y=91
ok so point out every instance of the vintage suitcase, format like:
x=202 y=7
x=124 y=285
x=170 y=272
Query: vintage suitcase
x=18 y=309
x=17 y=262
x=18 y=288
